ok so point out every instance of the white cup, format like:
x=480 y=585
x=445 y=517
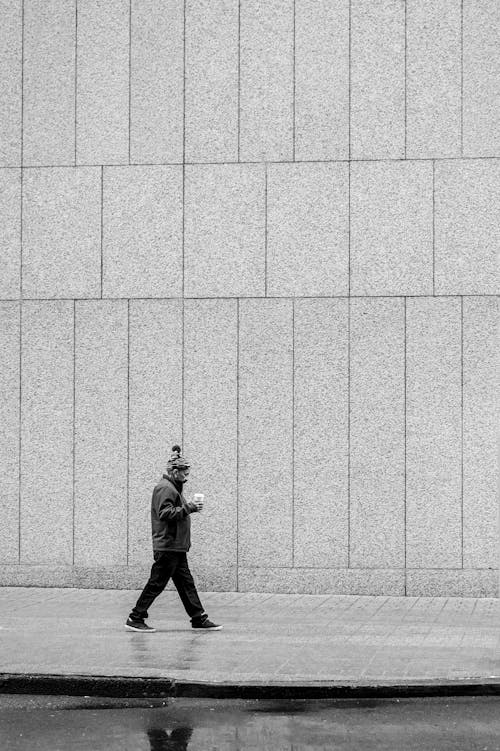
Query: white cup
x=198 y=497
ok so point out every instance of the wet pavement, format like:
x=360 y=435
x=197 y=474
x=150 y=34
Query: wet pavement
x=62 y=723
x=280 y=640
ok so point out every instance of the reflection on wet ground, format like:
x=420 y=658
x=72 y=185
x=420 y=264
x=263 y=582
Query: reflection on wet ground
x=34 y=723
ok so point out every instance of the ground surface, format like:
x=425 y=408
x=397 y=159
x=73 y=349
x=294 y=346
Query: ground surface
x=65 y=724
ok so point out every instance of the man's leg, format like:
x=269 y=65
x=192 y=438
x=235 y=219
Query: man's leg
x=161 y=571
x=186 y=588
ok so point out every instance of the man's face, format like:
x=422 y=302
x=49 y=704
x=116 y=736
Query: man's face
x=181 y=475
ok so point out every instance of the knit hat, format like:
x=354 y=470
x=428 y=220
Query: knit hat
x=176 y=460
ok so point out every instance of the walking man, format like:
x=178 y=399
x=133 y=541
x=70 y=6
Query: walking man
x=171 y=525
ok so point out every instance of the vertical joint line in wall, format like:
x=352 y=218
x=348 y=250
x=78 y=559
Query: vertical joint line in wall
x=433 y=227
x=462 y=425
x=184 y=87
x=349 y=229
x=237 y=441
x=182 y=372
x=294 y=86
x=76 y=73
x=22 y=83
x=265 y=230
x=349 y=88
x=74 y=428
x=293 y=431
x=20 y=426
x=462 y=78
x=406 y=70
x=128 y=426
x=405 y=442
x=348 y=432
x=239 y=77
x=102 y=228
x=129 y=79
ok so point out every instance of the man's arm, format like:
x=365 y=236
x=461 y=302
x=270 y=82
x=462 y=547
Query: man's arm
x=168 y=511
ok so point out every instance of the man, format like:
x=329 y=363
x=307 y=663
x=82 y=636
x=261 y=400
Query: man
x=171 y=525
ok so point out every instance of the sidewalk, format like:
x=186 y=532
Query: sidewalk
x=53 y=640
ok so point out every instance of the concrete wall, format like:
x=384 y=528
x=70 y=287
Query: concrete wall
x=266 y=230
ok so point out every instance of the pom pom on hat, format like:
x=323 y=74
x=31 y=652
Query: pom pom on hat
x=176 y=460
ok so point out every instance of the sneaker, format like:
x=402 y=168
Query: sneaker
x=139 y=626
x=206 y=625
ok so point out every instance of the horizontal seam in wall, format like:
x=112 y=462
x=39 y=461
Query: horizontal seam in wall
x=268 y=161
x=249 y=297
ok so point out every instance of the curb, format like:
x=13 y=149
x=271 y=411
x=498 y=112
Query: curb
x=126 y=687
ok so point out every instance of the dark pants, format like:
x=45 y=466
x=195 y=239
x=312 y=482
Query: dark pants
x=170 y=565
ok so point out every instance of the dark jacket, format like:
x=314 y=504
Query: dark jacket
x=170 y=522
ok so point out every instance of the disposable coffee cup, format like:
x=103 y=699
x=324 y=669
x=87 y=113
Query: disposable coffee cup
x=198 y=497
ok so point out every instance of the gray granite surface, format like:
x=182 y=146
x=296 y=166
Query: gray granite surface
x=307 y=229
x=46 y=467
x=265 y=432
x=211 y=433
x=322 y=79
x=481 y=72
x=433 y=85
x=10 y=236
x=155 y=410
x=62 y=232
x=142 y=231
x=467 y=196
x=102 y=111
x=480 y=428
x=266 y=80
x=212 y=85
x=391 y=228
x=224 y=241
x=101 y=393
x=9 y=432
x=377 y=433
x=10 y=82
x=49 y=31
x=320 y=502
x=377 y=119
x=433 y=437
x=156 y=82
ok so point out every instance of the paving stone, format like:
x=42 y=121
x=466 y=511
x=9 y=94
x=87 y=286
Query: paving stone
x=377 y=79
x=9 y=434
x=211 y=434
x=307 y=229
x=224 y=231
x=10 y=82
x=480 y=465
x=265 y=432
x=434 y=99
x=391 y=228
x=266 y=80
x=10 y=237
x=46 y=494
x=102 y=112
x=212 y=80
x=49 y=82
x=157 y=81
x=155 y=389
x=320 y=431
x=62 y=232
x=322 y=79
x=433 y=424
x=377 y=433
x=467 y=195
x=142 y=231
x=481 y=71
x=101 y=467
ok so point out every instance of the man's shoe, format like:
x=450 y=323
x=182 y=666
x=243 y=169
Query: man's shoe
x=131 y=625
x=206 y=625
